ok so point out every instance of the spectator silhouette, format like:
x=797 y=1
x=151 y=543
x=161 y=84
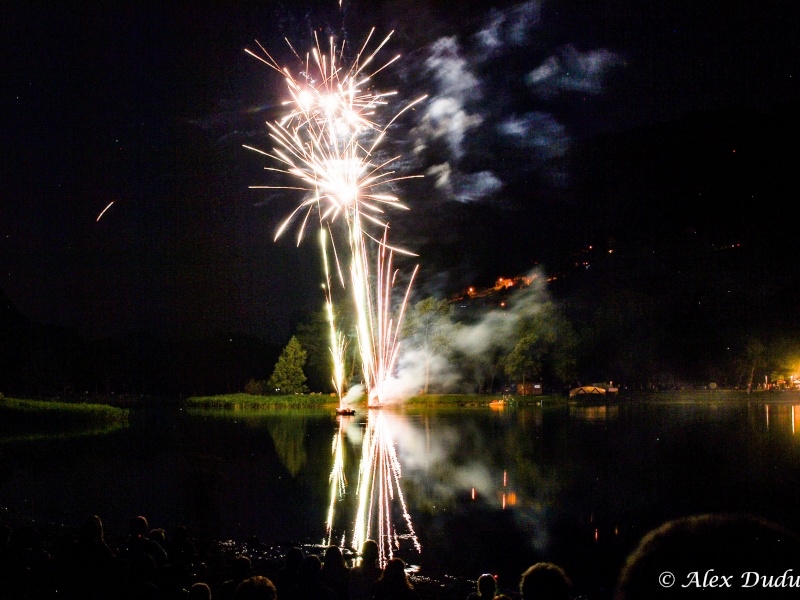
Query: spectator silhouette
x=139 y=544
x=394 y=583
x=335 y=574
x=366 y=573
x=257 y=587
x=241 y=569
x=486 y=588
x=95 y=568
x=728 y=544
x=311 y=587
x=545 y=581
x=287 y=580
x=199 y=591
x=144 y=561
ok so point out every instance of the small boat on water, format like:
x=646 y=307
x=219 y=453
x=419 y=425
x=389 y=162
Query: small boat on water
x=345 y=412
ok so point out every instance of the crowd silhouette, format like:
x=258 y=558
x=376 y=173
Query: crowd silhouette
x=703 y=555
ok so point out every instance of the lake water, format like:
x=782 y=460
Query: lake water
x=486 y=490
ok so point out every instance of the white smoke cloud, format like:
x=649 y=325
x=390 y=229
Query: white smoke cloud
x=474 y=341
x=446 y=119
x=464 y=187
x=476 y=186
x=510 y=27
x=538 y=131
x=451 y=70
x=496 y=328
x=353 y=395
x=468 y=129
x=411 y=373
x=572 y=71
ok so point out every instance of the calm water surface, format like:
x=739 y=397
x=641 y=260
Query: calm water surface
x=486 y=490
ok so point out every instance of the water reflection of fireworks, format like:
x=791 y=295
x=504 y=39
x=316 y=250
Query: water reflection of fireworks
x=381 y=509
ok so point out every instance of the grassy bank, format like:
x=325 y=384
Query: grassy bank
x=14 y=411
x=244 y=401
x=480 y=400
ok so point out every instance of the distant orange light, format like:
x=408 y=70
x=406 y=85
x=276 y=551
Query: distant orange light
x=512 y=498
x=473 y=493
x=502 y=304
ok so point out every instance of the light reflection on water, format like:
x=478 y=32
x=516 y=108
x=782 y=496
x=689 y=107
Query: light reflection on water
x=486 y=490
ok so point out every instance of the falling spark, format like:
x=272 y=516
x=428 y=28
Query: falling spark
x=102 y=212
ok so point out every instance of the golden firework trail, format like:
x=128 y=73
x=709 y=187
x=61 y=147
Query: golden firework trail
x=337 y=341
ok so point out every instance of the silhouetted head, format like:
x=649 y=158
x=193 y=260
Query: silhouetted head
x=157 y=535
x=199 y=591
x=728 y=544
x=242 y=567
x=138 y=526
x=334 y=558
x=255 y=588
x=487 y=586
x=311 y=567
x=369 y=552
x=545 y=581
x=294 y=558
x=395 y=572
x=92 y=530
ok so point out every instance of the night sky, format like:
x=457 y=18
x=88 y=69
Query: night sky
x=148 y=105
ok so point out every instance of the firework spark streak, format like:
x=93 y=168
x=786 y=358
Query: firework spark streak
x=337 y=340
x=378 y=330
x=102 y=212
x=379 y=492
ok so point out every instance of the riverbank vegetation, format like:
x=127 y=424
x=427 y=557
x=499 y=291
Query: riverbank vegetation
x=24 y=420
x=244 y=401
x=51 y=412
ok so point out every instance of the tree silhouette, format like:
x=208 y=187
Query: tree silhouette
x=288 y=376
